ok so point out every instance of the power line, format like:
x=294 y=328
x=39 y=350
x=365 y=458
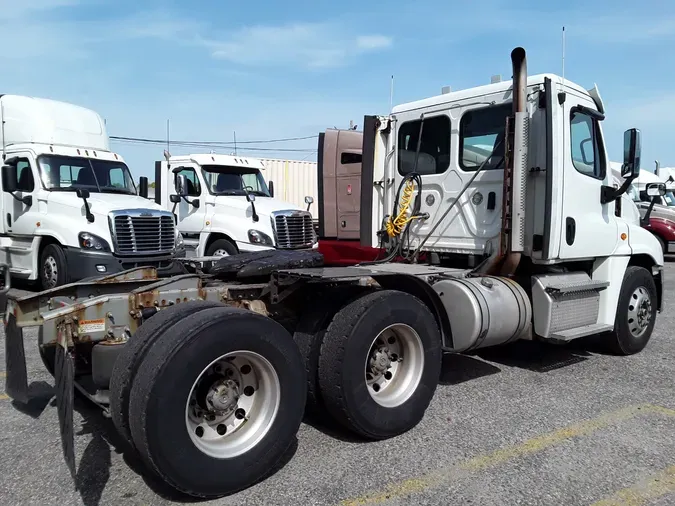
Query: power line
x=210 y=143
x=239 y=148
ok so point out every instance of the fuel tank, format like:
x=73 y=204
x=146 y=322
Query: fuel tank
x=485 y=311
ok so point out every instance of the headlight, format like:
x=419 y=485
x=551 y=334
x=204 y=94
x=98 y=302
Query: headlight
x=180 y=244
x=258 y=237
x=93 y=242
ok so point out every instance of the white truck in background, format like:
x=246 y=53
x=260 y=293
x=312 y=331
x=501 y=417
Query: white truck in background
x=70 y=208
x=224 y=206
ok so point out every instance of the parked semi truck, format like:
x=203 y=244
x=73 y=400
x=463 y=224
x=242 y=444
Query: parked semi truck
x=224 y=206
x=207 y=375
x=70 y=208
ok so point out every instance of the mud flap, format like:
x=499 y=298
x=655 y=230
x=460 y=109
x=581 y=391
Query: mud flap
x=16 y=384
x=64 y=376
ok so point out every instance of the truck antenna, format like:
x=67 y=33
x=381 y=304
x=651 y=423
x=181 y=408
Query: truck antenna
x=563 y=56
x=2 y=114
x=168 y=148
x=391 y=94
x=235 y=141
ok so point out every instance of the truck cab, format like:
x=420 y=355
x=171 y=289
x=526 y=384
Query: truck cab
x=224 y=206
x=515 y=174
x=70 y=207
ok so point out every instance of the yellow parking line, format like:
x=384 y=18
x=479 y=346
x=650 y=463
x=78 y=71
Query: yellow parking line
x=654 y=487
x=528 y=447
x=3 y=374
x=4 y=397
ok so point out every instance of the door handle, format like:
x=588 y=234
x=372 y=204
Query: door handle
x=570 y=230
x=492 y=197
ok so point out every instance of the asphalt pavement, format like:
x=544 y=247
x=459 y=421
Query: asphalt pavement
x=525 y=424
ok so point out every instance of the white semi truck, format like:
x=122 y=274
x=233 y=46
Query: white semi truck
x=70 y=207
x=223 y=206
x=207 y=375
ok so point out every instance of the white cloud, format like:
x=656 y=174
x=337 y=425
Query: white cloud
x=373 y=41
x=312 y=45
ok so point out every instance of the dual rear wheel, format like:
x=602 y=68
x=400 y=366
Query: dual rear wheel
x=209 y=396
x=374 y=366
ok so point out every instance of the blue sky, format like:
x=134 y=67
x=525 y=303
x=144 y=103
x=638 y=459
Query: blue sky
x=285 y=69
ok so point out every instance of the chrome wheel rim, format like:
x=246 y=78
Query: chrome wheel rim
x=51 y=271
x=639 y=311
x=232 y=404
x=394 y=365
x=220 y=253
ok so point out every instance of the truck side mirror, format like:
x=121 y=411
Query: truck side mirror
x=82 y=193
x=656 y=189
x=181 y=185
x=10 y=180
x=632 y=144
x=653 y=190
x=143 y=187
x=271 y=188
x=309 y=201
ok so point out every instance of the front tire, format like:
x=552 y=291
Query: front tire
x=221 y=247
x=53 y=267
x=635 y=313
x=217 y=401
x=380 y=363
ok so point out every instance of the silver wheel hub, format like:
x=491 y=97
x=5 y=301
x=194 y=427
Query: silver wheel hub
x=232 y=404
x=394 y=365
x=223 y=397
x=221 y=253
x=51 y=271
x=639 y=311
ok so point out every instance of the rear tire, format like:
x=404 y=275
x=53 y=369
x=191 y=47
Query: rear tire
x=200 y=462
x=362 y=348
x=129 y=359
x=53 y=267
x=635 y=313
x=309 y=334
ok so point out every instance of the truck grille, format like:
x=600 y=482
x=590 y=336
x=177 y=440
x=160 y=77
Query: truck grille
x=138 y=233
x=294 y=229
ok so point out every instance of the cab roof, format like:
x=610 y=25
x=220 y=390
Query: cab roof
x=478 y=91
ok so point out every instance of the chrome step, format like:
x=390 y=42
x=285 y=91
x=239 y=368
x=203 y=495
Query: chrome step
x=586 y=330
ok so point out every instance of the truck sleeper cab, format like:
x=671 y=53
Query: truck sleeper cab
x=223 y=206
x=213 y=369
x=70 y=207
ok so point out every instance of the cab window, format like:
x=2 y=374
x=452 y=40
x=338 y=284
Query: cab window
x=24 y=176
x=481 y=131
x=193 y=186
x=585 y=145
x=434 y=156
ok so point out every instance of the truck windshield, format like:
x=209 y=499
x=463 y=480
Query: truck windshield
x=669 y=198
x=229 y=180
x=69 y=173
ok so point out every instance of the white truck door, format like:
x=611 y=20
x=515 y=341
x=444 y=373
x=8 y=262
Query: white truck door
x=190 y=218
x=589 y=227
x=20 y=220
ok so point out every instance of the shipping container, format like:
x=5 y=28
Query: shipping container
x=293 y=181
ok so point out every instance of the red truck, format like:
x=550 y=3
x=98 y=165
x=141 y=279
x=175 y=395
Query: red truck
x=339 y=163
